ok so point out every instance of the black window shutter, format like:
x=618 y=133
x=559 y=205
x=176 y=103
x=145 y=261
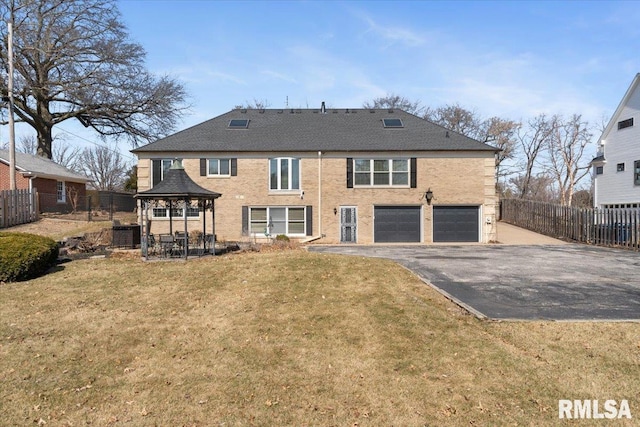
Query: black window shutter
x=203 y=167
x=414 y=172
x=309 y=220
x=234 y=167
x=156 y=171
x=245 y=220
x=349 y=172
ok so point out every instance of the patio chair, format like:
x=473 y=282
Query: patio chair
x=167 y=245
x=153 y=246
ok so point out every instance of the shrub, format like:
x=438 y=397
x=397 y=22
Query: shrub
x=282 y=238
x=24 y=256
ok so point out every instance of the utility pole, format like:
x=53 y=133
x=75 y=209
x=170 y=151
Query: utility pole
x=12 y=133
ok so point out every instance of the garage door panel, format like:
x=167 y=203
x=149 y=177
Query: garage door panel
x=456 y=224
x=397 y=224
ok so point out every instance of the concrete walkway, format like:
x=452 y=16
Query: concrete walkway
x=511 y=235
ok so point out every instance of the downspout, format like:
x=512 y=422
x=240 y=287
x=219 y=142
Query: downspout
x=320 y=193
x=319 y=235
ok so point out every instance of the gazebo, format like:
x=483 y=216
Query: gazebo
x=177 y=190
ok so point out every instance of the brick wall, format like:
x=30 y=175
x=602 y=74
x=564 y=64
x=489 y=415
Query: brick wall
x=22 y=183
x=48 y=194
x=455 y=179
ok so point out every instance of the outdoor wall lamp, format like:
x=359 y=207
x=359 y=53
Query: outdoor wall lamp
x=429 y=196
x=335 y=211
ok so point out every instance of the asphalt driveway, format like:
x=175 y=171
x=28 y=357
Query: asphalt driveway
x=551 y=282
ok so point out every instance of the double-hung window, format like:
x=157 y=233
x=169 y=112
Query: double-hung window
x=275 y=220
x=284 y=173
x=381 y=172
x=218 y=167
x=61 y=192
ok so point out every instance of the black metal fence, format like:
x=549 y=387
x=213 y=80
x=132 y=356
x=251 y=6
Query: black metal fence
x=604 y=227
x=96 y=205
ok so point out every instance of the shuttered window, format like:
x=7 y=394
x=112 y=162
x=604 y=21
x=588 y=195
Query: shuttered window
x=218 y=167
x=159 y=167
x=271 y=221
x=381 y=173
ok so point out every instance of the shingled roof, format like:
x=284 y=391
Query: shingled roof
x=313 y=130
x=177 y=185
x=38 y=166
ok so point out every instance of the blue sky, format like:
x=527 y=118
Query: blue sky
x=508 y=59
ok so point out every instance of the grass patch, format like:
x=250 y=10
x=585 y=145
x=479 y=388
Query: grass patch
x=287 y=338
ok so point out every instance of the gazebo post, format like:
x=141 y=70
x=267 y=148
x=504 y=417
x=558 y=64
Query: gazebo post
x=185 y=244
x=204 y=225
x=145 y=222
x=213 y=225
x=170 y=217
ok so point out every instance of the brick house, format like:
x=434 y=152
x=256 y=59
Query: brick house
x=56 y=185
x=331 y=176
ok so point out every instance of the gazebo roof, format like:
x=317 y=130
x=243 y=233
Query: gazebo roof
x=175 y=185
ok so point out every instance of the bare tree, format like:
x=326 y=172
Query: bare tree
x=395 y=101
x=501 y=134
x=257 y=104
x=105 y=166
x=458 y=119
x=565 y=149
x=27 y=144
x=539 y=187
x=532 y=139
x=74 y=59
x=64 y=155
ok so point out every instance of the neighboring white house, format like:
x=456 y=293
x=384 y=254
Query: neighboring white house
x=617 y=167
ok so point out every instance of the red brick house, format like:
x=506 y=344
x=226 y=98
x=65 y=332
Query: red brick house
x=56 y=185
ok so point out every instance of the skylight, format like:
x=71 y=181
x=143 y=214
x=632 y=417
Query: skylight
x=392 y=123
x=238 y=123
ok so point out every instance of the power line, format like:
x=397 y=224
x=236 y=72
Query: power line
x=97 y=144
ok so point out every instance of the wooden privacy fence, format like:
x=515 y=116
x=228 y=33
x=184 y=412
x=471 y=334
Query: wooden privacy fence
x=604 y=227
x=18 y=207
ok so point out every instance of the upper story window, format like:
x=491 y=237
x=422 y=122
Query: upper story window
x=284 y=173
x=61 y=192
x=599 y=170
x=238 y=124
x=392 y=123
x=625 y=123
x=382 y=172
x=159 y=167
x=636 y=172
x=218 y=167
x=620 y=167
